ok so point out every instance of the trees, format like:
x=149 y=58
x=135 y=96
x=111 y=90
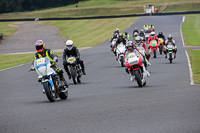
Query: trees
x=27 y=5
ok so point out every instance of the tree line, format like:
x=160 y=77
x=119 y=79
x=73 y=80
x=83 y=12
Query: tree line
x=29 y=5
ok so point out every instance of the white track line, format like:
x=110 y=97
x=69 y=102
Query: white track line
x=188 y=58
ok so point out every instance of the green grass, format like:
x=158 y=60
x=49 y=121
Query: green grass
x=191 y=30
x=16 y=59
x=195 y=62
x=7 y=29
x=105 y=7
x=87 y=33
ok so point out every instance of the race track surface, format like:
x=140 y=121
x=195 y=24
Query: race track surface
x=107 y=101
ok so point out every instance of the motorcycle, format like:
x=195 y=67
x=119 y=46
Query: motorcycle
x=154 y=46
x=75 y=69
x=120 y=53
x=170 y=52
x=135 y=34
x=112 y=45
x=134 y=62
x=52 y=86
x=161 y=47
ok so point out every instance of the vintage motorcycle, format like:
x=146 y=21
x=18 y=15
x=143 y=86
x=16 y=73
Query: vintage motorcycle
x=52 y=86
x=74 y=69
x=134 y=62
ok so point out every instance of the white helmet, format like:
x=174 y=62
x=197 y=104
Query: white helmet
x=69 y=44
x=153 y=33
x=117 y=29
x=138 y=39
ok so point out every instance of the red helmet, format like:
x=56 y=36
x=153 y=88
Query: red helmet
x=40 y=46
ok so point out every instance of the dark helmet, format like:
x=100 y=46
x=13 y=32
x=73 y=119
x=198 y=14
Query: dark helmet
x=160 y=33
x=126 y=33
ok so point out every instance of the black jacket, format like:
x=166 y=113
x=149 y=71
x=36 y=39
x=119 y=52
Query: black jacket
x=73 y=52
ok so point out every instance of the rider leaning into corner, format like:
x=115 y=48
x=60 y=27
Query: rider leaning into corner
x=138 y=44
x=43 y=52
x=129 y=49
x=170 y=40
x=71 y=50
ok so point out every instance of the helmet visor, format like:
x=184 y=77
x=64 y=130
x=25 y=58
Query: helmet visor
x=39 y=47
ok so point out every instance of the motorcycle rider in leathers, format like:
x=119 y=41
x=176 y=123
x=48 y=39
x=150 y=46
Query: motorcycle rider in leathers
x=129 y=49
x=71 y=50
x=43 y=52
x=170 y=40
x=152 y=37
x=141 y=44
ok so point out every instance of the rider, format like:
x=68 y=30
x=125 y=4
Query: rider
x=43 y=52
x=151 y=26
x=120 y=39
x=152 y=37
x=142 y=34
x=170 y=40
x=116 y=31
x=138 y=44
x=126 y=36
x=71 y=50
x=135 y=30
x=145 y=26
x=129 y=49
x=160 y=35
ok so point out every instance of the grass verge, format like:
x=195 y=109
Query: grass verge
x=191 y=30
x=88 y=33
x=7 y=29
x=195 y=62
x=105 y=8
x=16 y=59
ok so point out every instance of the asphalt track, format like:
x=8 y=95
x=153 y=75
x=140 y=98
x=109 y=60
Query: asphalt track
x=107 y=101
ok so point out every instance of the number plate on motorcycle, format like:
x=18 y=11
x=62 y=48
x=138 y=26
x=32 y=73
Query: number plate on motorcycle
x=71 y=59
x=131 y=56
x=40 y=61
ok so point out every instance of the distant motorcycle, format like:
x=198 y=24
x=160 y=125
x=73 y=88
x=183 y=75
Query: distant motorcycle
x=75 y=69
x=134 y=62
x=52 y=86
x=161 y=47
x=170 y=52
x=154 y=46
x=120 y=53
x=135 y=34
x=112 y=45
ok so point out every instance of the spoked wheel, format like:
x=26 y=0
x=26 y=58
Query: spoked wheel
x=79 y=79
x=74 y=75
x=49 y=92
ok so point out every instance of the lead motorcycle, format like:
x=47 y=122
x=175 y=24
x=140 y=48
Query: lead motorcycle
x=120 y=53
x=52 y=86
x=74 y=69
x=134 y=62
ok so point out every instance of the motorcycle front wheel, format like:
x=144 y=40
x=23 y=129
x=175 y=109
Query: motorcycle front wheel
x=49 y=92
x=170 y=57
x=154 y=53
x=138 y=78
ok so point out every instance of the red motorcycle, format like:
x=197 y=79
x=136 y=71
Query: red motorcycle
x=154 y=46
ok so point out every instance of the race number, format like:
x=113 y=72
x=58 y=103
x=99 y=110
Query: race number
x=40 y=61
x=70 y=59
x=131 y=56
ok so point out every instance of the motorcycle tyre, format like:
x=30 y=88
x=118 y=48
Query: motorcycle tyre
x=48 y=88
x=138 y=78
x=170 y=57
x=161 y=49
x=122 y=61
x=154 y=53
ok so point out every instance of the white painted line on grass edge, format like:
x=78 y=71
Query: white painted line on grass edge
x=190 y=69
x=183 y=20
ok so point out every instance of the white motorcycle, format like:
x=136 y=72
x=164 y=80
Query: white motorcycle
x=120 y=53
x=52 y=86
x=170 y=52
x=134 y=62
